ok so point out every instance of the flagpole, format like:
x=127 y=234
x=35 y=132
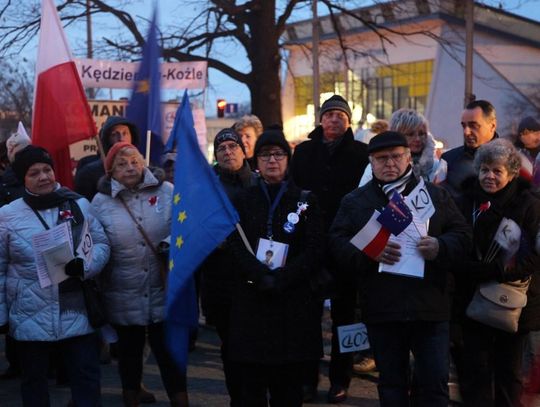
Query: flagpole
x=148 y=139
x=244 y=238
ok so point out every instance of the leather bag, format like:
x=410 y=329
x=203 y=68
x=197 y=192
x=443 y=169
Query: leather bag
x=93 y=300
x=499 y=305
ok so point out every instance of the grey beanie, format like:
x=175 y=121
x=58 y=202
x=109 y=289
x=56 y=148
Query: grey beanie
x=336 y=102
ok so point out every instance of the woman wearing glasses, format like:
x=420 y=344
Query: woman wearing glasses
x=425 y=163
x=275 y=322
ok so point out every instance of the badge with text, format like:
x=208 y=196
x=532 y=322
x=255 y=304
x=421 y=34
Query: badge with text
x=420 y=203
x=352 y=338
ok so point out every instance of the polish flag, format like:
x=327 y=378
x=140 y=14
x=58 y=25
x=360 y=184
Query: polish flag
x=372 y=238
x=61 y=112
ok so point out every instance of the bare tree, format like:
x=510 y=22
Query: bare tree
x=15 y=94
x=255 y=26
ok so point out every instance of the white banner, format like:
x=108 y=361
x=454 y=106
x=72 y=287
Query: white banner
x=102 y=109
x=96 y=73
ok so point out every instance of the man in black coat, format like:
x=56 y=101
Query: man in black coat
x=403 y=314
x=114 y=130
x=479 y=122
x=330 y=164
x=219 y=269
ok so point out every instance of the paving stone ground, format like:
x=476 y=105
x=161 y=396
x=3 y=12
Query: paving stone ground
x=206 y=383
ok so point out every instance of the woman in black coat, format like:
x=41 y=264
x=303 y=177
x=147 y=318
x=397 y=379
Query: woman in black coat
x=275 y=319
x=492 y=356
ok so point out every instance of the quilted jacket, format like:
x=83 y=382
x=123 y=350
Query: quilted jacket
x=34 y=313
x=132 y=285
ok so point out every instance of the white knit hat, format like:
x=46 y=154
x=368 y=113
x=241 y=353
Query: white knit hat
x=17 y=142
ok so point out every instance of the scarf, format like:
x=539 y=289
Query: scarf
x=50 y=200
x=398 y=184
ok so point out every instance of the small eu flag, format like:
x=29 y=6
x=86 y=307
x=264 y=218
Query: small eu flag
x=395 y=216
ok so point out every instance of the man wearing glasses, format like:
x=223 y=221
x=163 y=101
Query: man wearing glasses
x=114 y=130
x=403 y=314
x=330 y=164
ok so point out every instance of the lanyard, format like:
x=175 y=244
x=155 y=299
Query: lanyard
x=272 y=205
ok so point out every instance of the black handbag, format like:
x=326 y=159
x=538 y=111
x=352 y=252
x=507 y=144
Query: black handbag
x=93 y=300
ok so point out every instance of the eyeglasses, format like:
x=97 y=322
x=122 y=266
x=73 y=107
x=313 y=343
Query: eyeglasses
x=383 y=159
x=231 y=147
x=279 y=155
x=413 y=134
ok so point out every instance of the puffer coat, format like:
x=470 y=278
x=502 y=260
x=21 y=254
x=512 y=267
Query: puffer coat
x=132 y=285
x=41 y=314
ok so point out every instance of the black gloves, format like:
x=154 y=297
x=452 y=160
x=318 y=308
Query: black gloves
x=75 y=268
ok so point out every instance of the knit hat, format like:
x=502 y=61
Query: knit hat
x=336 y=102
x=228 y=134
x=16 y=142
x=528 y=123
x=386 y=139
x=273 y=136
x=27 y=157
x=116 y=147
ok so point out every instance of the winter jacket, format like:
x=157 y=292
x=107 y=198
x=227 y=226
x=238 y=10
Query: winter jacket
x=11 y=187
x=386 y=297
x=275 y=317
x=329 y=175
x=87 y=177
x=515 y=202
x=218 y=271
x=41 y=314
x=133 y=288
x=426 y=165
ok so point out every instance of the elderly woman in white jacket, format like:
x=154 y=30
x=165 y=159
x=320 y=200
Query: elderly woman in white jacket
x=135 y=210
x=426 y=164
x=43 y=308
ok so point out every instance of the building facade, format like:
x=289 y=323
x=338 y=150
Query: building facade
x=411 y=54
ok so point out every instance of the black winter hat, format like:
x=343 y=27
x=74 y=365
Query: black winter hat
x=273 y=136
x=528 y=123
x=336 y=102
x=387 y=139
x=27 y=157
x=228 y=134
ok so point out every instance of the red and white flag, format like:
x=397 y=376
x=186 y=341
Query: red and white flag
x=372 y=238
x=61 y=112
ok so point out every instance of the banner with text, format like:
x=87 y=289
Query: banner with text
x=102 y=109
x=96 y=73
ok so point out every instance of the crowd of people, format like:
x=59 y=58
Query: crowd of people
x=302 y=214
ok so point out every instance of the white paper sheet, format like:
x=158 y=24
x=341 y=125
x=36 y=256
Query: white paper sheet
x=55 y=236
x=411 y=262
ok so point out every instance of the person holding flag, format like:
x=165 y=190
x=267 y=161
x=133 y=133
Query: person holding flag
x=493 y=357
x=415 y=307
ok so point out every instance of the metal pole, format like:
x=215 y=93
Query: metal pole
x=315 y=60
x=469 y=43
x=89 y=45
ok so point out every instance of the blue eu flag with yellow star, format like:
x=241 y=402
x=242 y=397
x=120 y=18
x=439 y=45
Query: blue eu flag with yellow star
x=395 y=216
x=144 y=108
x=202 y=218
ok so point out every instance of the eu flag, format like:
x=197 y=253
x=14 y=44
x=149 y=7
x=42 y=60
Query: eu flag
x=144 y=108
x=395 y=216
x=202 y=218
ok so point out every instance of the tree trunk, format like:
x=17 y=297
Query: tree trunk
x=263 y=52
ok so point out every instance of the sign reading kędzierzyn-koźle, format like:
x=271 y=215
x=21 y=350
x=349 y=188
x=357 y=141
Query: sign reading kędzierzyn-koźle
x=96 y=73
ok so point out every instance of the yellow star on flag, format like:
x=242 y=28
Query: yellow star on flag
x=179 y=241
x=176 y=199
x=171 y=264
x=182 y=216
x=143 y=86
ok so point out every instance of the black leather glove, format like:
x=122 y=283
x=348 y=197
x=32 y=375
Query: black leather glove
x=75 y=268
